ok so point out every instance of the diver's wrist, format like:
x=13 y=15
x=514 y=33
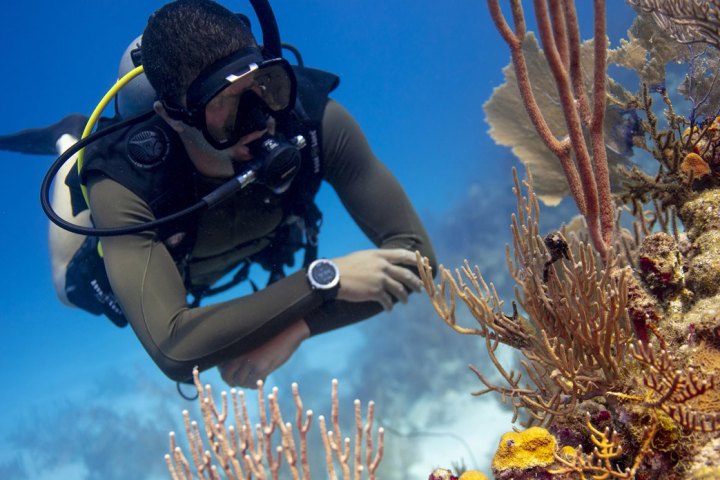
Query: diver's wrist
x=323 y=276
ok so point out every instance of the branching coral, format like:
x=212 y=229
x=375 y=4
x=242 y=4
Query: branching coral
x=685 y=145
x=246 y=451
x=577 y=341
x=577 y=328
x=686 y=155
x=599 y=463
x=509 y=126
x=672 y=390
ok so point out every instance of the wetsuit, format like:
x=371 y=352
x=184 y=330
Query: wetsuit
x=148 y=285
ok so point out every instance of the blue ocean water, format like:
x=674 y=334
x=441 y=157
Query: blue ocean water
x=82 y=399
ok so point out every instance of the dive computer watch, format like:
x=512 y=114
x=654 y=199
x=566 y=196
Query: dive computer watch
x=324 y=276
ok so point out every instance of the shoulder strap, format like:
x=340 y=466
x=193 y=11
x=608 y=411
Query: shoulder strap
x=314 y=87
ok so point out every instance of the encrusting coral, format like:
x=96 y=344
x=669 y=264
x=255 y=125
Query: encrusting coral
x=534 y=447
x=620 y=337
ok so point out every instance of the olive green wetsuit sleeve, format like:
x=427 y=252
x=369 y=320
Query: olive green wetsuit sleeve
x=148 y=285
x=376 y=201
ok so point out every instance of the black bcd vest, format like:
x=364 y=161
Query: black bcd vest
x=149 y=159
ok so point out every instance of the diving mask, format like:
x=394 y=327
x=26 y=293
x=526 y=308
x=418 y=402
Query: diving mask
x=235 y=96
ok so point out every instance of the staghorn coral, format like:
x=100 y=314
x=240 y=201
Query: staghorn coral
x=246 y=451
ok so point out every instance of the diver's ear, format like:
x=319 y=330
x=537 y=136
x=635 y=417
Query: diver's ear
x=176 y=125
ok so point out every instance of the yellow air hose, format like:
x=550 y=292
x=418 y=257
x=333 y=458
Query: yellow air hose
x=96 y=115
x=93 y=120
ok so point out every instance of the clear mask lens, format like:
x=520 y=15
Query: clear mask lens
x=225 y=113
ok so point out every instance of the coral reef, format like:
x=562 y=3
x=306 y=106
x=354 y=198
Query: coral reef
x=619 y=336
x=246 y=451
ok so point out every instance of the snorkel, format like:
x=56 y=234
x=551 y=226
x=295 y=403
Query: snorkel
x=275 y=163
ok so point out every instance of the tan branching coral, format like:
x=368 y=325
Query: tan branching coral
x=245 y=451
x=576 y=331
x=673 y=185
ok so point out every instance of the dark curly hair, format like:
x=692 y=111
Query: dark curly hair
x=184 y=37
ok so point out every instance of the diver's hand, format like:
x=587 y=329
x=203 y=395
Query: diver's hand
x=377 y=275
x=246 y=370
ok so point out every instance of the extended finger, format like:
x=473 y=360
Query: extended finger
x=399 y=256
x=406 y=277
x=385 y=300
x=396 y=289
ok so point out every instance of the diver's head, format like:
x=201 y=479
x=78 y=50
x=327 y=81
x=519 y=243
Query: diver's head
x=211 y=76
x=184 y=37
x=228 y=93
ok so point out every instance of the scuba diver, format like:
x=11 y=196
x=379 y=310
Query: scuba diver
x=211 y=164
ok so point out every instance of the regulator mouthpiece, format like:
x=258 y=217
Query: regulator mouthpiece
x=276 y=160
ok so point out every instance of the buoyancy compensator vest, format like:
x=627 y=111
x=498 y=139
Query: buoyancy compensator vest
x=149 y=159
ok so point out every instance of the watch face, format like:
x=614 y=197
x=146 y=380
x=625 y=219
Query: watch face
x=323 y=274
